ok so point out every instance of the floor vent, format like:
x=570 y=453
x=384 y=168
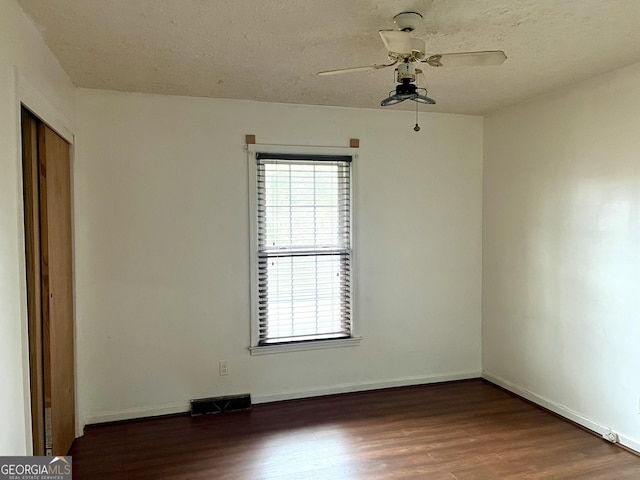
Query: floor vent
x=231 y=403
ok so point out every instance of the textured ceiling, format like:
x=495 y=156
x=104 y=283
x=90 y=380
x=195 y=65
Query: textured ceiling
x=270 y=50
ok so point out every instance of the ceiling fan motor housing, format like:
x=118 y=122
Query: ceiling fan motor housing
x=406 y=71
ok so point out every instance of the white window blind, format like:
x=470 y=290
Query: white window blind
x=304 y=247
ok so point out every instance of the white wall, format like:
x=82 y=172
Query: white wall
x=162 y=245
x=561 y=251
x=29 y=73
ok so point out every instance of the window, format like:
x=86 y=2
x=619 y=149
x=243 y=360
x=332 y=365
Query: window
x=302 y=257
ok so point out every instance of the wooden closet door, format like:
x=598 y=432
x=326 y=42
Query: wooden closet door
x=57 y=286
x=31 y=178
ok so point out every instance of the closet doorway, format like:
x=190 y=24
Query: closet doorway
x=49 y=261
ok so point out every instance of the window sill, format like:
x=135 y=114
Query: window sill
x=300 y=347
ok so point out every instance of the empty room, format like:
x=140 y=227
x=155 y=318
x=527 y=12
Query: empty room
x=320 y=240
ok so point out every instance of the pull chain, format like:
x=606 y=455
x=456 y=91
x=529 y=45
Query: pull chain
x=417 y=127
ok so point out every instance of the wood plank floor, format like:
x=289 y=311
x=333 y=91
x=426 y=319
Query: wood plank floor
x=462 y=430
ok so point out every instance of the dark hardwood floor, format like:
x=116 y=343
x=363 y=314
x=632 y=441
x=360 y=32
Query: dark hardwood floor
x=463 y=430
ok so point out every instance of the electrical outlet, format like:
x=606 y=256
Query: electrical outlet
x=223 y=368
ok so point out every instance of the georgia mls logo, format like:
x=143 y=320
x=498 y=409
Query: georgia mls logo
x=63 y=463
x=35 y=468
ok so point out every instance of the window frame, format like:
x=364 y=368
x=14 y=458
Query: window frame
x=354 y=340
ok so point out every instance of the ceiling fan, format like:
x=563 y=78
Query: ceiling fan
x=405 y=52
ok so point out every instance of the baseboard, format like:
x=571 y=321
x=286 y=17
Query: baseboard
x=561 y=410
x=362 y=387
x=134 y=413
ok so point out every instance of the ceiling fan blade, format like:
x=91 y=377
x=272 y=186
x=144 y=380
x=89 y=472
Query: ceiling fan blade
x=355 y=69
x=397 y=41
x=467 y=59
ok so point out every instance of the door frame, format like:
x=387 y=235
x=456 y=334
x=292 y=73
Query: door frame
x=28 y=95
